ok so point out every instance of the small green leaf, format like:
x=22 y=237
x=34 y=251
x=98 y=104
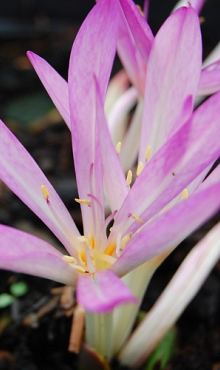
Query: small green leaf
x=163 y=353
x=5 y=300
x=19 y=289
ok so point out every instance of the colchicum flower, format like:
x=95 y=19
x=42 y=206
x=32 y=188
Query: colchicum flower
x=151 y=215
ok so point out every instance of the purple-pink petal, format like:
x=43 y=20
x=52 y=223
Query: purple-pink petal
x=102 y=291
x=184 y=157
x=22 y=175
x=92 y=55
x=209 y=81
x=55 y=85
x=140 y=29
x=172 y=78
x=114 y=178
x=168 y=229
x=22 y=252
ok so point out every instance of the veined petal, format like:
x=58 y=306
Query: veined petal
x=182 y=288
x=172 y=79
x=196 y=4
x=114 y=177
x=102 y=291
x=168 y=229
x=22 y=252
x=130 y=55
x=173 y=167
x=209 y=81
x=22 y=175
x=140 y=29
x=55 y=85
x=92 y=55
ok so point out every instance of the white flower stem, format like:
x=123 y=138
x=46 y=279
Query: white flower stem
x=99 y=333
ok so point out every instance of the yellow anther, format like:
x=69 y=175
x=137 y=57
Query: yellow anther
x=83 y=239
x=118 y=147
x=45 y=192
x=83 y=201
x=79 y=268
x=110 y=249
x=148 y=153
x=103 y=257
x=139 y=168
x=140 y=9
x=125 y=240
x=136 y=218
x=184 y=194
x=129 y=177
x=69 y=259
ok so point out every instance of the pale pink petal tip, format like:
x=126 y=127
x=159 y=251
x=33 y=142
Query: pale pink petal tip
x=102 y=291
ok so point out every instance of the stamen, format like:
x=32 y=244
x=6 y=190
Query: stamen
x=110 y=249
x=184 y=194
x=125 y=240
x=104 y=257
x=79 y=268
x=129 y=178
x=83 y=239
x=83 y=201
x=118 y=147
x=136 y=218
x=69 y=259
x=45 y=192
x=139 y=168
x=148 y=153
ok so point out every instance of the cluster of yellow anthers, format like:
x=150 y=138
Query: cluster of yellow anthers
x=88 y=258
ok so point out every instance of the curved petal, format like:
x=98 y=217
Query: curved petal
x=92 y=55
x=168 y=229
x=102 y=291
x=172 y=79
x=182 y=288
x=184 y=157
x=22 y=252
x=114 y=178
x=55 y=85
x=130 y=55
x=22 y=175
x=140 y=29
x=209 y=81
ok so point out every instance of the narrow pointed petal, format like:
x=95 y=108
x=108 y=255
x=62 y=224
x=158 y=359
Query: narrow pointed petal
x=180 y=291
x=92 y=55
x=140 y=29
x=102 y=291
x=55 y=85
x=22 y=252
x=196 y=4
x=22 y=175
x=130 y=55
x=172 y=79
x=173 y=167
x=209 y=81
x=168 y=229
x=114 y=177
